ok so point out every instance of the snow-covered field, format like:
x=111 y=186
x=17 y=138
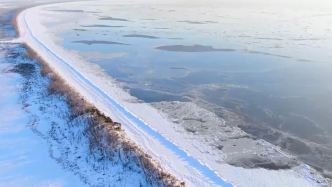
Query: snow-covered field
x=26 y=147
x=190 y=159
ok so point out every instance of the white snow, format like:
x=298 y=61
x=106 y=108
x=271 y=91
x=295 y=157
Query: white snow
x=179 y=153
x=24 y=158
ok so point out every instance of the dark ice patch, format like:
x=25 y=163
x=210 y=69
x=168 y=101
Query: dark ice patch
x=67 y=10
x=175 y=38
x=92 y=42
x=140 y=36
x=112 y=26
x=261 y=38
x=210 y=21
x=192 y=22
x=80 y=30
x=113 y=19
x=194 y=48
x=179 y=68
x=197 y=22
x=268 y=54
x=307 y=39
x=150 y=96
x=256 y=161
x=295 y=146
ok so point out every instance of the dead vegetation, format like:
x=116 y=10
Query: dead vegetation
x=104 y=134
x=14 y=20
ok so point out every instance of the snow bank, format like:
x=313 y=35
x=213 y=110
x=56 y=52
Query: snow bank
x=179 y=153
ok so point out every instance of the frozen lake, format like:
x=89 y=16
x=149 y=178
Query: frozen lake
x=265 y=64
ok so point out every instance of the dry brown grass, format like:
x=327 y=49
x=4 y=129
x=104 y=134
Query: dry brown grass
x=14 y=22
x=14 y=18
x=102 y=127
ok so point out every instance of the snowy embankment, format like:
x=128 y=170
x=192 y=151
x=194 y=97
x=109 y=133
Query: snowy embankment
x=187 y=160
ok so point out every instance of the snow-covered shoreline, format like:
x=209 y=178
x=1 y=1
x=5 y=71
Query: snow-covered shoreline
x=80 y=149
x=142 y=123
